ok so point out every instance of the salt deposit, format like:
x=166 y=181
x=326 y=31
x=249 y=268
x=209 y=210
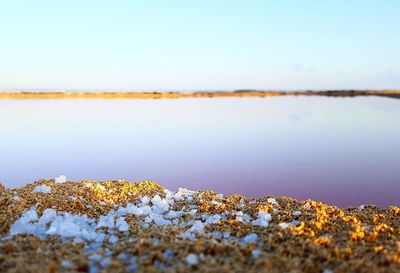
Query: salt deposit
x=284 y=225
x=156 y=229
x=250 y=238
x=192 y=259
x=42 y=188
x=61 y=179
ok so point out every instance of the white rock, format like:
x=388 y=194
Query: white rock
x=296 y=213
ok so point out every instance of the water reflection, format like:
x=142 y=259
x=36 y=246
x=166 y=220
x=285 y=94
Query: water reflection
x=342 y=151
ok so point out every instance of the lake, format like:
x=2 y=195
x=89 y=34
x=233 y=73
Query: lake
x=341 y=151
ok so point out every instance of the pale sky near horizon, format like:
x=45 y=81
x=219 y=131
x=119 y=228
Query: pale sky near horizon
x=200 y=45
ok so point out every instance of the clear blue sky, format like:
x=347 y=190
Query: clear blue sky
x=196 y=45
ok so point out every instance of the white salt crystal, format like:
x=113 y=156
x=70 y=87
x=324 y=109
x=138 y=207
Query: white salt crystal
x=105 y=262
x=284 y=225
x=172 y=214
x=220 y=195
x=48 y=216
x=66 y=263
x=159 y=219
x=198 y=226
x=216 y=234
x=182 y=193
x=20 y=226
x=263 y=219
x=362 y=207
x=296 y=213
x=122 y=225
x=212 y=218
x=216 y=203
x=130 y=208
x=192 y=212
x=250 y=238
x=192 y=259
x=100 y=237
x=256 y=253
x=42 y=188
x=159 y=204
x=107 y=220
x=30 y=215
x=272 y=201
x=178 y=196
x=95 y=257
x=145 y=199
x=123 y=256
x=169 y=254
x=61 y=179
x=133 y=264
x=113 y=239
x=295 y=223
x=69 y=229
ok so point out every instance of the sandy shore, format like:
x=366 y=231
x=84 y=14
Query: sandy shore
x=177 y=95
x=119 y=226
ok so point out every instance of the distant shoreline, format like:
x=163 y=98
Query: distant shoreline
x=202 y=94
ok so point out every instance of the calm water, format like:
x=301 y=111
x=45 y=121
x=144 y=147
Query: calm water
x=342 y=151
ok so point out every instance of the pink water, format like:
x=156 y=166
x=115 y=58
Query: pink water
x=342 y=151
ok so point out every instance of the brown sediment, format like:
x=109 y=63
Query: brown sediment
x=325 y=238
x=177 y=95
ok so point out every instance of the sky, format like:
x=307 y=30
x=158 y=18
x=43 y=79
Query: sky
x=200 y=45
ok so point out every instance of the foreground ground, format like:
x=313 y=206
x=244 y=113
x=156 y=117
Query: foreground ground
x=120 y=226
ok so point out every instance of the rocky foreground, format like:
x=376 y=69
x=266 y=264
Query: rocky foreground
x=119 y=226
